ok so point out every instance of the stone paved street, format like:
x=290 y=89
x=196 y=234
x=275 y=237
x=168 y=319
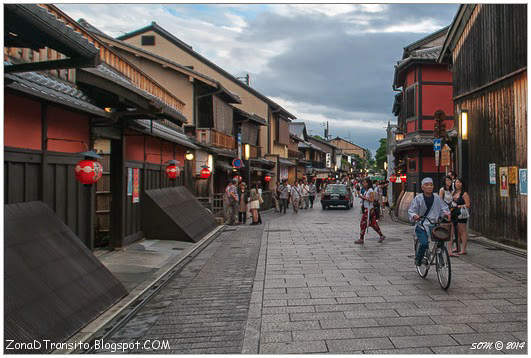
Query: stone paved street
x=316 y=292
x=299 y=284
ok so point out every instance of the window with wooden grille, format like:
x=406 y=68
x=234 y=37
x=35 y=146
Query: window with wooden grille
x=411 y=101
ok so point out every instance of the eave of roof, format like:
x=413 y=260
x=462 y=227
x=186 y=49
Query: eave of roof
x=456 y=29
x=251 y=116
x=109 y=74
x=424 y=40
x=53 y=90
x=343 y=139
x=161 y=131
x=38 y=21
x=161 y=31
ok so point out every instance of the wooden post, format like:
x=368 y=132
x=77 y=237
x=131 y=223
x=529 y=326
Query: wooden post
x=118 y=190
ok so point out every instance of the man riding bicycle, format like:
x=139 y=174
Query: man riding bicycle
x=426 y=206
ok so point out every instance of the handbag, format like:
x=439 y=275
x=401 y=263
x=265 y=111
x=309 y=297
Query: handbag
x=463 y=213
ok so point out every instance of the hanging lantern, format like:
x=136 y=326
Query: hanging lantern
x=238 y=178
x=392 y=178
x=267 y=178
x=403 y=177
x=89 y=170
x=205 y=172
x=172 y=170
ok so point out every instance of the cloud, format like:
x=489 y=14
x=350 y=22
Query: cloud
x=323 y=62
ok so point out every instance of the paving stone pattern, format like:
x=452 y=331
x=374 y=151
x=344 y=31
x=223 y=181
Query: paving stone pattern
x=204 y=308
x=299 y=284
x=317 y=292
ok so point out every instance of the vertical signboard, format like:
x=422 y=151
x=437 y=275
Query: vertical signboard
x=513 y=175
x=504 y=182
x=129 y=181
x=136 y=196
x=523 y=181
x=492 y=173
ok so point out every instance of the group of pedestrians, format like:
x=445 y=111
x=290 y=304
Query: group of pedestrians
x=240 y=203
x=301 y=195
x=455 y=196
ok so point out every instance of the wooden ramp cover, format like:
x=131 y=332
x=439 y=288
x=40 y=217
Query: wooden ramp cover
x=53 y=284
x=175 y=214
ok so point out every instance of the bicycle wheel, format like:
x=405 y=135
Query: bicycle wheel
x=422 y=270
x=444 y=268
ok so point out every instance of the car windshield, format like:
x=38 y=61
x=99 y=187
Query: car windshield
x=336 y=189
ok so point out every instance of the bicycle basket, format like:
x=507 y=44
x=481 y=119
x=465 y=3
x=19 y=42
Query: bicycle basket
x=441 y=232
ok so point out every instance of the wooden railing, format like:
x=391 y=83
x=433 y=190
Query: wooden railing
x=215 y=138
x=133 y=73
x=255 y=152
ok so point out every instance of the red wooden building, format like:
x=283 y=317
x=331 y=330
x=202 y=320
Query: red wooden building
x=425 y=86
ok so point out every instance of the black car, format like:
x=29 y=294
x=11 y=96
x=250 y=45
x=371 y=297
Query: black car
x=337 y=195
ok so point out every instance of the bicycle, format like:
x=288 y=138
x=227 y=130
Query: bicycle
x=438 y=252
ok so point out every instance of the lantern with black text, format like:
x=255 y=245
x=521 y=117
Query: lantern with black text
x=89 y=170
x=267 y=178
x=205 y=172
x=172 y=170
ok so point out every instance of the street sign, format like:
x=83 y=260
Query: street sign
x=237 y=163
x=437 y=144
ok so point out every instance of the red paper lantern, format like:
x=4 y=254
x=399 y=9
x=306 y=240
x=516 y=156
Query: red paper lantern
x=267 y=178
x=88 y=171
x=392 y=178
x=403 y=177
x=205 y=173
x=172 y=171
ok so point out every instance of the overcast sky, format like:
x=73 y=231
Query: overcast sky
x=330 y=62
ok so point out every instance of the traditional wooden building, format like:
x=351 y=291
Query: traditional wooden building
x=349 y=148
x=425 y=87
x=486 y=49
x=52 y=116
x=273 y=139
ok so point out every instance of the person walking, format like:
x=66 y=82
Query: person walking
x=254 y=204
x=461 y=203
x=313 y=191
x=305 y=190
x=368 y=214
x=276 y=197
x=244 y=198
x=376 y=202
x=283 y=190
x=445 y=193
x=231 y=200
x=385 y=201
x=295 y=198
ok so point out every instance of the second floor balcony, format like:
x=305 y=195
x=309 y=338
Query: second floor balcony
x=215 y=138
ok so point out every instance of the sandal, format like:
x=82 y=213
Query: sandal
x=455 y=251
x=453 y=255
x=462 y=253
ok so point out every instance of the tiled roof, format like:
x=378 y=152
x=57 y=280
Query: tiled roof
x=107 y=72
x=51 y=89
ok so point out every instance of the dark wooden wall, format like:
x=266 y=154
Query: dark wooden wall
x=25 y=179
x=497 y=122
x=490 y=82
x=495 y=46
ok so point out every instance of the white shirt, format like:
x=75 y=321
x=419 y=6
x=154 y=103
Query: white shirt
x=367 y=204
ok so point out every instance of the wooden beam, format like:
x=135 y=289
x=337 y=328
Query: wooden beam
x=52 y=65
